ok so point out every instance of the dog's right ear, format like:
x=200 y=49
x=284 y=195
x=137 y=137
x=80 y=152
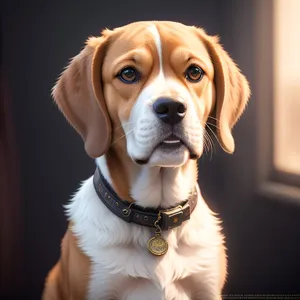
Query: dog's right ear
x=232 y=91
x=78 y=94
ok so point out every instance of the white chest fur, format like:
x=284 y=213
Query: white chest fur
x=122 y=267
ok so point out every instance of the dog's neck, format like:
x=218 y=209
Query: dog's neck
x=148 y=186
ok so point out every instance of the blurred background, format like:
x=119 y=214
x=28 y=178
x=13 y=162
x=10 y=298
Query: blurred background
x=42 y=159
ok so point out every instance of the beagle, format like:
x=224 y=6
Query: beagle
x=141 y=97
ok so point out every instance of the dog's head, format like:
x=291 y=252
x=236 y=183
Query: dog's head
x=155 y=84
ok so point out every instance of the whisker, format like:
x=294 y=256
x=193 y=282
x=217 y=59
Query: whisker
x=123 y=124
x=216 y=138
x=205 y=145
x=213 y=144
x=208 y=143
x=213 y=118
x=211 y=124
x=116 y=141
x=216 y=126
x=213 y=148
x=209 y=137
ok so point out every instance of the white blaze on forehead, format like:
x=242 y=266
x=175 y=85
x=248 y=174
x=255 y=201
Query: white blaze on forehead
x=160 y=85
x=155 y=33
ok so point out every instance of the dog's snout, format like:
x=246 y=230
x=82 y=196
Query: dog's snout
x=169 y=110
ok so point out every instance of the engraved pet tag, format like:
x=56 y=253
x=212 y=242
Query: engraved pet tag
x=157 y=245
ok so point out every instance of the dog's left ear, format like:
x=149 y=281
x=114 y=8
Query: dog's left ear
x=232 y=90
x=78 y=94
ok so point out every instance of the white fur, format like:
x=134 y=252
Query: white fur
x=152 y=28
x=122 y=267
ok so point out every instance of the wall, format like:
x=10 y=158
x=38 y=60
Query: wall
x=38 y=39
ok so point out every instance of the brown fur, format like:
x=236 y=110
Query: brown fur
x=68 y=280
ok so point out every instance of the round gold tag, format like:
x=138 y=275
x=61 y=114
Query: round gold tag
x=158 y=246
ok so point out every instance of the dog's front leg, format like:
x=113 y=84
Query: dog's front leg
x=54 y=287
x=69 y=278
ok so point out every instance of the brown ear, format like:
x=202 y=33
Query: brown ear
x=78 y=94
x=232 y=91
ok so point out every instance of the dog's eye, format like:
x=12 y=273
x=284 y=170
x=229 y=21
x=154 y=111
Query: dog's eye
x=194 y=73
x=128 y=75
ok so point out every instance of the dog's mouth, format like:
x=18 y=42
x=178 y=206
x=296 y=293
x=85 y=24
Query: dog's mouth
x=171 y=144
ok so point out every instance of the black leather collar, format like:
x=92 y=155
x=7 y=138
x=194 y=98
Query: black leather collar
x=130 y=212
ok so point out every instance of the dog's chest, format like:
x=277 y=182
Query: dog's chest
x=121 y=266
x=120 y=287
x=132 y=273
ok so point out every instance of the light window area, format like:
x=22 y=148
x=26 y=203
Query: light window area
x=287 y=86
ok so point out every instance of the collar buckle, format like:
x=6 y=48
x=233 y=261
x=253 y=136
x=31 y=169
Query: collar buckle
x=173 y=217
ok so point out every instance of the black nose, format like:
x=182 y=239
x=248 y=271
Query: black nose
x=168 y=110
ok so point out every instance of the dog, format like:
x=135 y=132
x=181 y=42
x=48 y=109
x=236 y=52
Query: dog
x=141 y=97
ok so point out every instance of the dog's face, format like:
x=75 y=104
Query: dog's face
x=150 y=87
x=158 y=83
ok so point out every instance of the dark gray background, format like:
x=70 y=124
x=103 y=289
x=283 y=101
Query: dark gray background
x=38 y=38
